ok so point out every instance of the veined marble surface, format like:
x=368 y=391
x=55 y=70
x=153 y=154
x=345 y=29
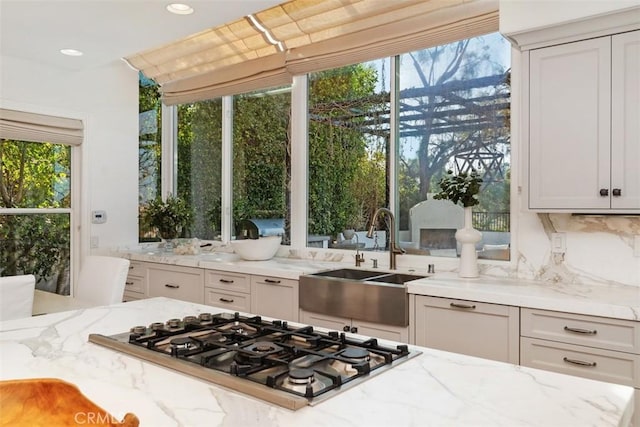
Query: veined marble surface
x=435 y=388
x=286 y=268
x=616 y=301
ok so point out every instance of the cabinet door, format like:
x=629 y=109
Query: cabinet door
x=569 y=125
x=182 y=283
x=625 y=121
x=275 y=297
x=490 y=331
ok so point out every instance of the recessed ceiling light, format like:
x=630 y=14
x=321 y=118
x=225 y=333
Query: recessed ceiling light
x=180 y=9
x=71 y=52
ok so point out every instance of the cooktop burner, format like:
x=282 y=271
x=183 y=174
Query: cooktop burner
x=242 y=352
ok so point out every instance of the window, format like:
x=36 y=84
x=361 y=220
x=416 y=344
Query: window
x=349 y=123
x=380 y=134
x=149 y=151
x=199 y=163
x=35 y=212
x=450 y=111
x=261 y=157
x=454 y=114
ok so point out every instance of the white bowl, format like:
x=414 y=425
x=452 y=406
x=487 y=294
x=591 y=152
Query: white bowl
x=257 y=249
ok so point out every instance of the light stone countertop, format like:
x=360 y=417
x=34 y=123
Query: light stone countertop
x=435 y=388
x=615 y=301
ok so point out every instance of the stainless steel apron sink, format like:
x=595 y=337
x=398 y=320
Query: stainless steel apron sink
x=373 y=296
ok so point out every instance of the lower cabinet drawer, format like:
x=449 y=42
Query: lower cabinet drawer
x=134 y=284
x=186 y=284
x=227 y=300
x=591 y=331
x=132 y=296
x=597 y=364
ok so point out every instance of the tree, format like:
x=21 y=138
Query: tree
x=35 y=175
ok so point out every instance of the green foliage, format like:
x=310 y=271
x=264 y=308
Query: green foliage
x=463 y=187
x=346 y=183
x=35 y=175
x=170 y=218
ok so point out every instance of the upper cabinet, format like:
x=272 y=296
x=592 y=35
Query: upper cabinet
x=582 y=125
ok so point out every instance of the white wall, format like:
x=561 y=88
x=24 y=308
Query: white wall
x=107 y=99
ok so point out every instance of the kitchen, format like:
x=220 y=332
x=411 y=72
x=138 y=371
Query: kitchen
x=112 y=127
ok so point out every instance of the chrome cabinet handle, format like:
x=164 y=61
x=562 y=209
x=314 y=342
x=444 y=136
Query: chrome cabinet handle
x=271 y=281
x=617 y=192
x=225 y=300
x=464 y=306
x=172 y=286
x=226 y=281
x=604 y=192
x=581 y=331
x=579 y=362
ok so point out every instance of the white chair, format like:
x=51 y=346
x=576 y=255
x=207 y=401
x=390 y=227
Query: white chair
x=16 y=296
x=102 y=280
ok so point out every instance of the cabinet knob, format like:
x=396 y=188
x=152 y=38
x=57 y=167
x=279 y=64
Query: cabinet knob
x=354 y=329
x=604 y=192
x=346 y=328
x=617 y=192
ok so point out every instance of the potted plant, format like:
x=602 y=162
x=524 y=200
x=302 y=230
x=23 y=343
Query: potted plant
x=170 y=218
x=464 y=188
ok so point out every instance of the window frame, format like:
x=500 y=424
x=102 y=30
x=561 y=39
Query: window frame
x=299 y=172
x=79 y=211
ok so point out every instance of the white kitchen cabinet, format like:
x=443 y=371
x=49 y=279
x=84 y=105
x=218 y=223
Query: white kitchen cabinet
x=586 y=346
x=275 y=297
x=582 y=125
x=375 y=330
x=136 y=282
x=172 y=281
x=490 y=331
x=231 y=291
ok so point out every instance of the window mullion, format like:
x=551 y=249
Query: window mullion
x=227 y=168
x=169 y=168
x=299 y=161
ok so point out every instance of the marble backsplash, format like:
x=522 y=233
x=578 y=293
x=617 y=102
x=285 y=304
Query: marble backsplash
x=599 y=248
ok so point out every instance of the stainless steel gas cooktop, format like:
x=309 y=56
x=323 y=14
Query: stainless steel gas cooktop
x=287 y=365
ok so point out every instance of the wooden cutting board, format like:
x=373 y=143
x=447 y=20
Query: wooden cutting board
x=52 y=402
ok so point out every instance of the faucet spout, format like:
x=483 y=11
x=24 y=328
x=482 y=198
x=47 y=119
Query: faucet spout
x=394 y=248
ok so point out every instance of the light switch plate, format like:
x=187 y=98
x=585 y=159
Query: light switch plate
x=558 y=243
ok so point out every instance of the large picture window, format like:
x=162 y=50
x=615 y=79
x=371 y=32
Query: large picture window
x=379 y=133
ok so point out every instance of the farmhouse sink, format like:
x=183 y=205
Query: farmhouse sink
x=373 y=296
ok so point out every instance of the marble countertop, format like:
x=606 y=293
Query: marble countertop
x=615 y=300
x=286 y=268
x=435 y=388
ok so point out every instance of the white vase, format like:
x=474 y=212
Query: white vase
x=468 y=237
